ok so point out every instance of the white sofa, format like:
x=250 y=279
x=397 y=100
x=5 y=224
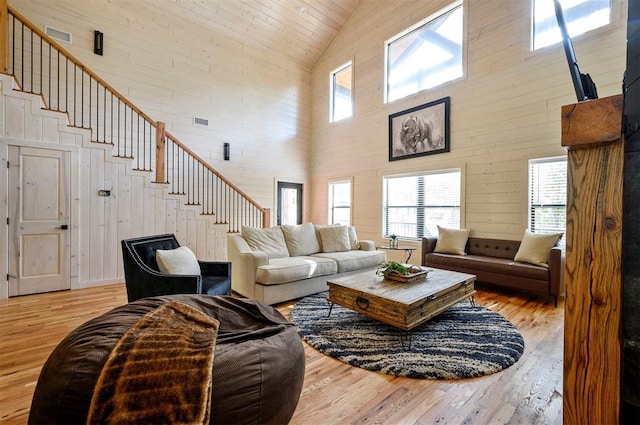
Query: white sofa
x=288 y=262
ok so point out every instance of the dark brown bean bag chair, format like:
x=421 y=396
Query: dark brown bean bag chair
x=258 y=365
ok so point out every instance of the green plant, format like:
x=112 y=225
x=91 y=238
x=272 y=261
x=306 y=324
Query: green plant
x=391 y=267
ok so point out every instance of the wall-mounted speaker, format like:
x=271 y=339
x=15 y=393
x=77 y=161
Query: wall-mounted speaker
x=98 y=40
x=227 y=151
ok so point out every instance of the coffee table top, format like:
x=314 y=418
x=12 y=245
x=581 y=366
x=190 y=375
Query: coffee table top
x=438 y=281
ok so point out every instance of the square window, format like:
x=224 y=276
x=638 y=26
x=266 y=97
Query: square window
x=425 y=55
x=414 y=206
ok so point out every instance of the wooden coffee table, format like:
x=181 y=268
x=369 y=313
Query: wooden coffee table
x=403 y=305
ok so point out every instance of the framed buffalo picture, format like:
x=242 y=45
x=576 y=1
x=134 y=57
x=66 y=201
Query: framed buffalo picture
x=422 y=130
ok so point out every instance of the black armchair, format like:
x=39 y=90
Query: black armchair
x=144 y=279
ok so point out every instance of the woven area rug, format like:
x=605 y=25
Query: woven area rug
x=465 y=341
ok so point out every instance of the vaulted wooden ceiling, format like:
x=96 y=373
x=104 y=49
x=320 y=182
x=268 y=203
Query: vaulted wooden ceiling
x=300 y=29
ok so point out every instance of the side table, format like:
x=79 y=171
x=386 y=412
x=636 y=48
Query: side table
x=408 y=249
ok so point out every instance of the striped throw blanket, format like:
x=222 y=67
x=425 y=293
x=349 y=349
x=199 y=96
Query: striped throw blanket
x=159 y=372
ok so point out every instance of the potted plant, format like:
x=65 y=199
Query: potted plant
x=393 y=241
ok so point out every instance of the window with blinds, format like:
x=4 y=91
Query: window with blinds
x=415 y=205
x=547 y=195
x=340 y=202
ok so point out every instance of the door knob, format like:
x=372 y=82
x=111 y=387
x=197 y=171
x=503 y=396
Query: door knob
x=63 y=227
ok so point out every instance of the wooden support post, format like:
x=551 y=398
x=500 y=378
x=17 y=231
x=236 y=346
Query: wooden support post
x=4 y=37
x=266 y=218
x=592 y=132
x=160 y=153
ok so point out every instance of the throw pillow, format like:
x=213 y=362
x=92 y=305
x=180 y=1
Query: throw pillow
x=353 y=238
x=270 y=241
x=335 y=239
x=301 y=239
x=451 y=241
x=535 y=247
x=322 y=226
x=180 y=261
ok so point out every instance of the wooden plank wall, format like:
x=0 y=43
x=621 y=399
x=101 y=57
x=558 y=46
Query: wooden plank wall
x=136 y=206
x=173 y=69
x=504 y=111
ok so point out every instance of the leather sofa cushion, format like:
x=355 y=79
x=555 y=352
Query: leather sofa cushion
x=284 y=270
x=348 y=261
x=489 y=264
x=497 y=248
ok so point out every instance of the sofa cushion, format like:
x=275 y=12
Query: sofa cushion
x=283 y=270
x=354 y=259
x=270 y=241
x=451 y=241
x=335 y=239
x=179 y=261
x=535 y=247
x=318 y=227
x=353 y=237
x=488 y=264
x=300 y=239
x=499 y=248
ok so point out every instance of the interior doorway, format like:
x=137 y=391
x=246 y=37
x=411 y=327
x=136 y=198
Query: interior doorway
x=39 y=204
x=289 y=210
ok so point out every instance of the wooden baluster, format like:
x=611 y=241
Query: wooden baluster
x=161 y=149
x=4 y=36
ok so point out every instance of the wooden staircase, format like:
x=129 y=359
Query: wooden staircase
x=129 y=176
x=42 y=67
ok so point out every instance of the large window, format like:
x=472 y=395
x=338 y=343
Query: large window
x=341 y=93
x=547 y=195
x=580 y=15
x=425 y=55
x=413 y=206
x=340 y=202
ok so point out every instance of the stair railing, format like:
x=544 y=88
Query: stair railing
x=43 y=67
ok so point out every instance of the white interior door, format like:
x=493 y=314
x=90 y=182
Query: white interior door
x=39 y=258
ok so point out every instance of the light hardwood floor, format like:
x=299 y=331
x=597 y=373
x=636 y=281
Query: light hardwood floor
x=529 y=392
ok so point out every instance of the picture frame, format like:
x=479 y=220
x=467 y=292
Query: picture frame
x=419 y=131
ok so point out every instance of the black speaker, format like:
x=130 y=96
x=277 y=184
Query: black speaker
x=227 y=151
x=98 y=39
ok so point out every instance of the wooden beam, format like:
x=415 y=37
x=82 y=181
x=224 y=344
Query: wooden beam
x=160 y=153
x=593 y=275
x=266 y=218
x=4 y=37
x=592 y=122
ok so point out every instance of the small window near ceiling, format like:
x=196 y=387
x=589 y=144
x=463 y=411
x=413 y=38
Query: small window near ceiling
x=548 y=195
x=341 y=93
x=340 y=202
x=581 y=16
x=425 y=55
x=414 y=205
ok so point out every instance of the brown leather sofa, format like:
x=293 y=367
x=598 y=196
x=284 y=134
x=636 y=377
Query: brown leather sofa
x=491 y=260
